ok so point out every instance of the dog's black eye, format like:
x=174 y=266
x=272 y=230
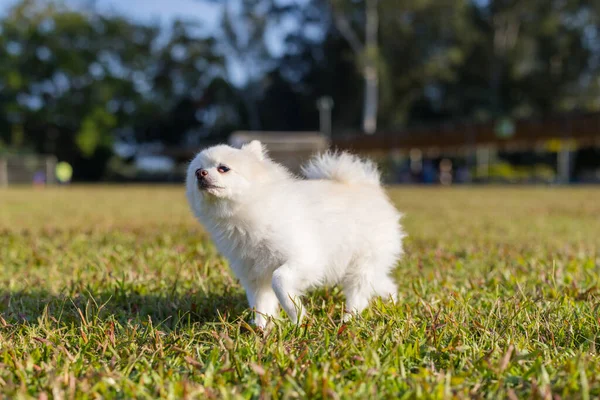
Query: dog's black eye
x=223 y=168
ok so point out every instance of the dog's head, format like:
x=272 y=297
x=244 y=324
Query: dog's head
x=224 y=172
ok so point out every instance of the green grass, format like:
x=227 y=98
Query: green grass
x=116 y=292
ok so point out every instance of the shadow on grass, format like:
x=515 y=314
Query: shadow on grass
x=169 y=310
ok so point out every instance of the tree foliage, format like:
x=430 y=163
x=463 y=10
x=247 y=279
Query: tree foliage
x=445 y=59
x=75 y=82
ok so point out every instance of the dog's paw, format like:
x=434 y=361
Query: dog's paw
x=262 y=322
x=348 y=316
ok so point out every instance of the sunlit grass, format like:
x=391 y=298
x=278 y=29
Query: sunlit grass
x=117 y=292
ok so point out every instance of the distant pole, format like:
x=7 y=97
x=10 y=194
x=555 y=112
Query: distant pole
x=471 y=153
x=325 y=105
x=483 y=156
x=370 y=68
x=564 y=164
x=50 y=169
x=3 y=172
x=564 y=155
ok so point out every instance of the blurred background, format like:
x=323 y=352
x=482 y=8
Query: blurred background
x=438 y=91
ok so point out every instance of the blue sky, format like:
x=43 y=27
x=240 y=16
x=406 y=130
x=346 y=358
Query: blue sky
x=147 y=10
x=163 y=12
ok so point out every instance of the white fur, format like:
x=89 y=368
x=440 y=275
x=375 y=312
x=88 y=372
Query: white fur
x=283 y=235
x=341 y=167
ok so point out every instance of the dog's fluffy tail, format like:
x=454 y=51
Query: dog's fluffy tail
x=342 y=167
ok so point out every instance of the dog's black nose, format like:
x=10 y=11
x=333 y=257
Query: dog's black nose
x=201 y=173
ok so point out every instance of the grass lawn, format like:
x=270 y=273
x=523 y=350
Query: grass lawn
x=116 y=292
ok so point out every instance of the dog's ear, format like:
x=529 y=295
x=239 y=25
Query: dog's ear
x=255 y=147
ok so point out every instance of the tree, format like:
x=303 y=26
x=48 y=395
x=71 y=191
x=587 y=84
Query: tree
x=438 y=60
x=415 y=44
x=243 y=36
x=73 y=82
x=527 y=58
x=367 y=52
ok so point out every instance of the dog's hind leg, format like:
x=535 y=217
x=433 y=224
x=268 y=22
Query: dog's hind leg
x=365 y=280
x=358 y=289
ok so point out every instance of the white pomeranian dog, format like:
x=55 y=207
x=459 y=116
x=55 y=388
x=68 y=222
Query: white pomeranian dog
x=283 y=235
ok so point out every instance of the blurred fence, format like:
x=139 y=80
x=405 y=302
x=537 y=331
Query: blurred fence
x=584 y=129
x=478 y=144
x=27 y=169
x=288 y=148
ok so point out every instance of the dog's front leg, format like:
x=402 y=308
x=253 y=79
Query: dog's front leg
x=262 y=299
x=289 y=285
